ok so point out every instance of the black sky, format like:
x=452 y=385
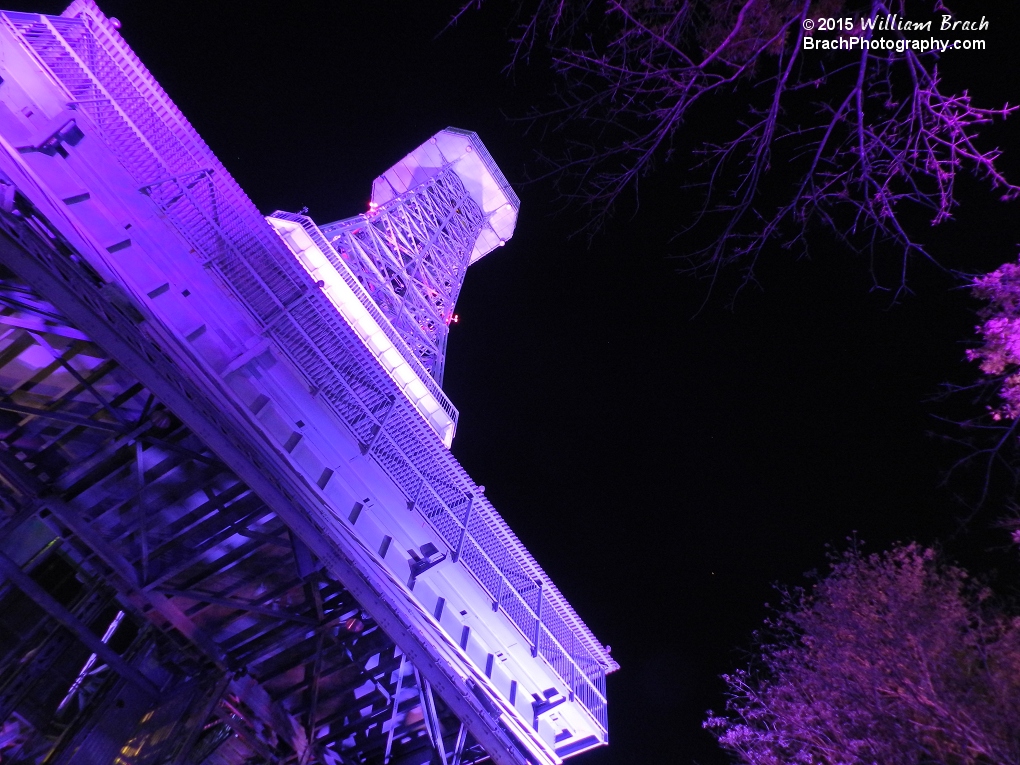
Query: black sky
x=665 y=470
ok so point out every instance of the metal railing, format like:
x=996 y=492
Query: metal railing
x=380 y=318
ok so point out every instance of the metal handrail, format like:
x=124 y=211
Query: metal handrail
x=380 y=318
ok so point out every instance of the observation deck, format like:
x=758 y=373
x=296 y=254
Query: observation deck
x=219 y=428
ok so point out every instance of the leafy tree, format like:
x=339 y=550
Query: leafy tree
x=893 y=658
x=999 y=353
x=867 y=143
x=991 y=436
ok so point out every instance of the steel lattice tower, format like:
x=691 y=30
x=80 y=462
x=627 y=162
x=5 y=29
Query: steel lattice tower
x=434 y=213
x=231 y=527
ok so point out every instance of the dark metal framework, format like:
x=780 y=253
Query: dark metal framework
x=240 y=647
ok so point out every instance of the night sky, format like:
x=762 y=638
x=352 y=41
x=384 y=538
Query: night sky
x=665 y=468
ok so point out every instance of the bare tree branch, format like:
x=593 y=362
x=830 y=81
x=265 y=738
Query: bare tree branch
x=870 y=138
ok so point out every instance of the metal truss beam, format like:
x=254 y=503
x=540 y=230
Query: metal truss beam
x=207 y=711
x=458 y=747
x=65 y=417
x=412 y=254
x=123 y=576
x=316 y=677
x=393 y=715
x=137 y=432
x=202 y=597
x=428 y=708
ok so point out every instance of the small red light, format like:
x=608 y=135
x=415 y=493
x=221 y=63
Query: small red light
x=354 y=625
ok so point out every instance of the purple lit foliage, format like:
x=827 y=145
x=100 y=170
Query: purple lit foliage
x=999 y=354
x=865 y=143
x=996 y=443
x=893 y=658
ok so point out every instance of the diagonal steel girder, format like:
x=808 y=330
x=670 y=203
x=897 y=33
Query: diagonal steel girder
x=12 y=571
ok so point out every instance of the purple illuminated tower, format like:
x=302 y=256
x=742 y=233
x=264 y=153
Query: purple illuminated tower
x=441 y=208
x=437 y=211
x=231 y=528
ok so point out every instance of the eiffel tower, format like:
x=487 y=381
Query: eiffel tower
x=231 y=527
